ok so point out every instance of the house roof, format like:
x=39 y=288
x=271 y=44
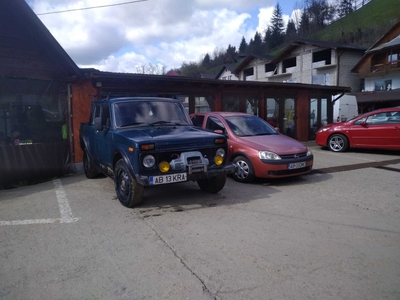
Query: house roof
x=182 y=84
x=19 y=13
x=391 y=44
x=229 y=67
x=320 y=44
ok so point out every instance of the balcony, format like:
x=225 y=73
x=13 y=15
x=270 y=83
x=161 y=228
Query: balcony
x=386 y=67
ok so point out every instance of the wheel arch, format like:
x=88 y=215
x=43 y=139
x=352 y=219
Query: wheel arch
x=118 y=154
x=236 y=154
x=341 y=133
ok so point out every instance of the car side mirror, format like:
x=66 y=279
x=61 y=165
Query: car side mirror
x=364 y=124
x=219 y=131
x=97 y=124
x=277 y=129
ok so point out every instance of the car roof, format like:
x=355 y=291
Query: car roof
x=122 y=99
x=397 y=108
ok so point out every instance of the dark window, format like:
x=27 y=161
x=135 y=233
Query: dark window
x=288 y=63
x=248 y=72
x=198 y=120
x=322 y=55
x=270 y=68
x=214 y=124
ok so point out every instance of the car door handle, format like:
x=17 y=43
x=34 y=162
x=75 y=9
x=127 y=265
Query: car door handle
x=396 y=128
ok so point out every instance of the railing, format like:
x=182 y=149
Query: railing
x=394 y=64
x=360 y=3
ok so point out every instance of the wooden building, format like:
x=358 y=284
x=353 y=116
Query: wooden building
x=34 y=97
x=291 y=101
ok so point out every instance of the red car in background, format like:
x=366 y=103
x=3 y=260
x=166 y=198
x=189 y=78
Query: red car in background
x=378 y=129
x=256 y=147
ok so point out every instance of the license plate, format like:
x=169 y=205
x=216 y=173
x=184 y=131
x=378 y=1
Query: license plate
x=297 y=165
x=165 y=179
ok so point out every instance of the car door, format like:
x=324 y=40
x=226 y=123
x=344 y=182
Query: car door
x=103 y=138
x=374 y=132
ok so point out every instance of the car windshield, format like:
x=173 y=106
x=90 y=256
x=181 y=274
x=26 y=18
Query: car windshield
x=150 y=113
x=248 y=125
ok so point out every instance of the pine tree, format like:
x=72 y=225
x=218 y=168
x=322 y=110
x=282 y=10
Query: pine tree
x=206 y=61
x=304 y=27
x=231 y=51
x=277 y=28
x=291 y=32
x=257 y=45
x=243 y=46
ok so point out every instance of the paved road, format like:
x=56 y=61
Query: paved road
x=334 y=234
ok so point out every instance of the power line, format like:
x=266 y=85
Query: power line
x=86 y=8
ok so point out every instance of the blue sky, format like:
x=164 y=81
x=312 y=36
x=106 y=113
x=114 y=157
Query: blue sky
x=157 y=33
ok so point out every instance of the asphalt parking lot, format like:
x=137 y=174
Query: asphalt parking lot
x=333 y=234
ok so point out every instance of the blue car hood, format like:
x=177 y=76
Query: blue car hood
x=166 y=137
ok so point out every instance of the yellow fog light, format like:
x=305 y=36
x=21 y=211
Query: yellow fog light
x=218 y=160
x=164 y=166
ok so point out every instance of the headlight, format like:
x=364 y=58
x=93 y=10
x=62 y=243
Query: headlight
x=220 y=152
x=309 y=152
x=323 y=129
x=268 y=155
x=149 y=161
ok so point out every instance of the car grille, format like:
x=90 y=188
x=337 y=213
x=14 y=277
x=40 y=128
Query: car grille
x=208 y=153
x=293 y=156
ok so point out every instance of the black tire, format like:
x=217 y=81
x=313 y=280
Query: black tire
x=90 y=171
x=212 y=185
x=338 y=143
x=245 y=171
x=129 y=191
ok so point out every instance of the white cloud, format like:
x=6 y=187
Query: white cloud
x=166 y=32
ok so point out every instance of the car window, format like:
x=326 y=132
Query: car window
x=197 y=120
x=214 y=123
x=382 y=118
x=358 y=122
x=394 y=117
x=246 y=125
x=149 y=112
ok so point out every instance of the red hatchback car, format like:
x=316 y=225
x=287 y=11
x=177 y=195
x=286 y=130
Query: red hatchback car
x=378 y=129
x=256 y=147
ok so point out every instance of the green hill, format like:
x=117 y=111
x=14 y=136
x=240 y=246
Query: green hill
x=363 y=26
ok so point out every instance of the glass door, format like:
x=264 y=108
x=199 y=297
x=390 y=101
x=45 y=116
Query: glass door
x=318 y=115
x=289 y=120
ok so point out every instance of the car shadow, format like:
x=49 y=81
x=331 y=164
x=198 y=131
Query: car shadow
x=188 y=196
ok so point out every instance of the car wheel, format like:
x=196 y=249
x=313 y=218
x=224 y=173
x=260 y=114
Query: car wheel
x=88 y=167
x=128 y=190
x=338 y=143
x=245 y=170
x=212 y=185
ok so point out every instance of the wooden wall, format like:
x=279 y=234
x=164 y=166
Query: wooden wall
x=82 y=92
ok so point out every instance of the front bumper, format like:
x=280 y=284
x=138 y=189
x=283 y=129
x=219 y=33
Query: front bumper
x=279 y=168
x=193 y=175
